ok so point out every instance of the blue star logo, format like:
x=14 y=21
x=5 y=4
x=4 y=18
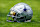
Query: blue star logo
x=25 y=9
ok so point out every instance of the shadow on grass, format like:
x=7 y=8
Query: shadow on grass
x=35 y=21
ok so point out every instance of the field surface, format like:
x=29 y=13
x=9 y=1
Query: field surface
x=5 y=6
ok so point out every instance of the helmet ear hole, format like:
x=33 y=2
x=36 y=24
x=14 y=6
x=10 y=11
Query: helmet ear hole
x=18 y=15
x=21 y=17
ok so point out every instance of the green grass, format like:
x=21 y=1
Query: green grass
x=5 y=5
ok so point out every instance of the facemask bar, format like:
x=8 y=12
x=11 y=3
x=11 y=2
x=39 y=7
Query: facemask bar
x=10 y=16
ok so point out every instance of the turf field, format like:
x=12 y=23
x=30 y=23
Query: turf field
x=5 y=5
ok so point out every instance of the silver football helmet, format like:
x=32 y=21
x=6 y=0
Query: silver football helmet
x=20 y=12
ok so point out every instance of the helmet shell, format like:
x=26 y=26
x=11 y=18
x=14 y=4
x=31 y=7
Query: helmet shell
x=19 y=9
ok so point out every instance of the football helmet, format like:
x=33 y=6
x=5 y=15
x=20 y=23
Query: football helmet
x=20 y=12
